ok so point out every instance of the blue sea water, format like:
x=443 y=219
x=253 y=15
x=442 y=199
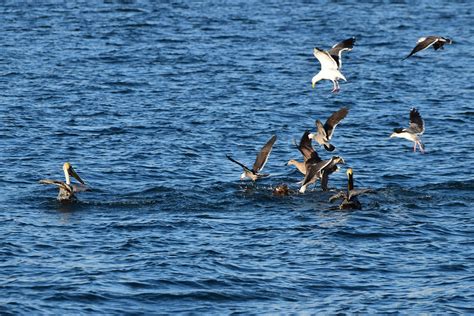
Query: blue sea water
x=145 y=99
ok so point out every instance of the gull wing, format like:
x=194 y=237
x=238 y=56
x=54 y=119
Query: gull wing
x=262 y=156
x=423 y=43
x=313 y=171
x=239 y=163
x=326 y=61
x=333 y=120
x=440 y=43
x=416 y=122
x=306 y=148
x=336 y=50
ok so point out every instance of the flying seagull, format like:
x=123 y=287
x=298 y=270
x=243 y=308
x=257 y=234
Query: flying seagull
x=331 y=63
x=324 y=132
x=424 y=42
x=413 y=132
x=259 y=163
x=349 y=197
x=66 y=190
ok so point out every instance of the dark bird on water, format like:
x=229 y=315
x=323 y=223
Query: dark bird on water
x=259 y=163
x=425 y=42
x=349 y=197
x=324 y=132
x=66 y=189
x=413 y=132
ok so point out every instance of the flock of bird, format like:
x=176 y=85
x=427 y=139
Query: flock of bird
x=312 y=167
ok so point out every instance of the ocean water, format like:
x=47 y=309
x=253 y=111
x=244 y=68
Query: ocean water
x=146 y=98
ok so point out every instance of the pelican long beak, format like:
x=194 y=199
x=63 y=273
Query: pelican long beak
x=392 y=135
x=73 y=173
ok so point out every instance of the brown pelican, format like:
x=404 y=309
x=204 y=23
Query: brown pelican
x=259 y=163
x=413 y=132
x=424 y=42
x=349 y=197
x=66 y=190
x=324 y=132
x=331 y=63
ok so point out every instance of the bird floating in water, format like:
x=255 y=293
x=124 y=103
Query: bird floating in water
x=324 y=132
x=425 y=42
x=331 y=63
x=259 y=163
x=349 y=197
x=66 y=189
x=281 y=190
x=413 y=132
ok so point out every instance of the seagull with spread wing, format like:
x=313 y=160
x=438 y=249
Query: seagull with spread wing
x=259 y=163
x=425 y=42
x=324 y=132
x=331 y=63
x=413 y=132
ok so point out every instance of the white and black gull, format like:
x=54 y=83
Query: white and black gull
x=425 y=42
x=331 y=63
x=324 y=132
x=259 y=163
x=413 y=132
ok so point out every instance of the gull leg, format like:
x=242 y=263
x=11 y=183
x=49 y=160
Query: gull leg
x=336 y=87
x=421 y=148
x=414 y=147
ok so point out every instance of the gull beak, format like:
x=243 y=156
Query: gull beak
x=73 y=173
x=313 y=84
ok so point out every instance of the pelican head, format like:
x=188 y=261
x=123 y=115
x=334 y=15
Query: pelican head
x=69 y=172
x=349 y=172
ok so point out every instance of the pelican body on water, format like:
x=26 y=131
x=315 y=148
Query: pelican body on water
x=66 y=189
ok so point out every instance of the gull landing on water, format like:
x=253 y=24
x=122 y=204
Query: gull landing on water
x=331 y=63
x=425 y=42
x=413 y=132
x=324 y=132
x=259 y=163
x=66 y=190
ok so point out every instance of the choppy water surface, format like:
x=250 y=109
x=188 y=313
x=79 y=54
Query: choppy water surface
x=145 y=100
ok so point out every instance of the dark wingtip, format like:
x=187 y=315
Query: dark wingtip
x=330 y=147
